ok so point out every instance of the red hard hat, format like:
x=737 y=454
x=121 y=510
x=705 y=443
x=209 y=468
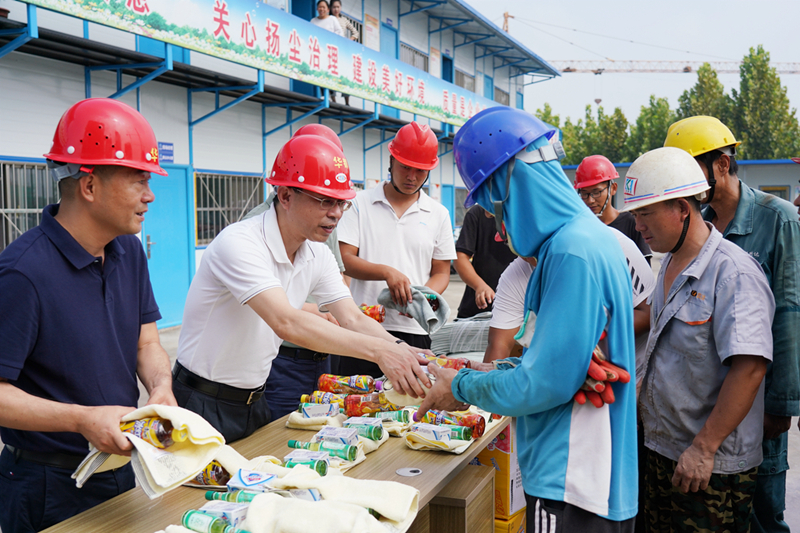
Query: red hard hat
x=415 y=145
x=593 y=170
x=322 y=131
x=796 y=160
x=103 y=131
x=313 y=163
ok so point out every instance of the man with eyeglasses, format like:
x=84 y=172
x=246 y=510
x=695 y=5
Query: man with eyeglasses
x=594 y=181
x=396 y=237
x=250 y=287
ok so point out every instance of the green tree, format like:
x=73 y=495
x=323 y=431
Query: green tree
x=707 y=97
x=763 y=120
x=650 y=128
x=547 y=115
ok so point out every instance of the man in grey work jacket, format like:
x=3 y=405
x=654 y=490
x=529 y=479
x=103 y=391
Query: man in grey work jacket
x=767 y=228
x=702 y=396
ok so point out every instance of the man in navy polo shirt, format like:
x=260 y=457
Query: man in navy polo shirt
x=78 y=320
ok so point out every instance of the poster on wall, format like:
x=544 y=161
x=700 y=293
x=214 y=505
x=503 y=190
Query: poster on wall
x=372 y=32
x=435 y=63
x=255 y=34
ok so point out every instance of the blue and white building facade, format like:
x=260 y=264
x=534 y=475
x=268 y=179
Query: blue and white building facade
x=220 y=122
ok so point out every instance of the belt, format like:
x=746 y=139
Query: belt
x=57 y=460
x=217 y=390
x=301 y=354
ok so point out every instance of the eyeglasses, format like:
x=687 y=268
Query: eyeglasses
x=595 y=195
x=327 y=203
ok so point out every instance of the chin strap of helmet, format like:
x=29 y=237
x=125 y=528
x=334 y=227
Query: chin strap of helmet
x=608 y=199
x=498 y=205
x=683 y=234
x=708 y=161
x=391 y=180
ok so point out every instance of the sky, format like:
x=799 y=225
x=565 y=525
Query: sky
x=696 y=30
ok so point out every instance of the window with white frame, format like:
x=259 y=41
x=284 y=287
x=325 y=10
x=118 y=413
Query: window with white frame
x=465 y=80
x=500 y=96
x=461 y=197
x=413 y=57
x=357 y=25
x=223 y=199
x=25 y=189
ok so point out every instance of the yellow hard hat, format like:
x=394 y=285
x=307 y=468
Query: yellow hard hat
x=699 y=135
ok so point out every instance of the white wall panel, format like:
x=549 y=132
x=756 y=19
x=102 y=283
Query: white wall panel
x=501 y=80
x=465 y=59
x=164 y=106
x=229 y=141
x=353 y=9
x=224 y=67
x=389 y=12
x=447 y=42
x=414 y=29
x=111 y=36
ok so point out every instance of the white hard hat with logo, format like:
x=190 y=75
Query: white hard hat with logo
x=663 y=174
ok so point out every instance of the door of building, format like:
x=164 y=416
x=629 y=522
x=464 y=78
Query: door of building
x=389 y=48
x=488 y=87
x=168 y=239
x=447 y=68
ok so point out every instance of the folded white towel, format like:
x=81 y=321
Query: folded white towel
x=270 y=513
x=415 y=441
x=297 y=421
x=160 y=470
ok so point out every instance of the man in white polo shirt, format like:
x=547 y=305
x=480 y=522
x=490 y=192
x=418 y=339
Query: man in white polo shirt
x=248 y=293
x=396 y=236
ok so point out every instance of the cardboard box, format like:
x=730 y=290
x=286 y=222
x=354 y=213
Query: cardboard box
x=516 y=524
x=501 y=454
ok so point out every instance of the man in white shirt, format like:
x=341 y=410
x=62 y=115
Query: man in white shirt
x=248 y=293
x=396 y=236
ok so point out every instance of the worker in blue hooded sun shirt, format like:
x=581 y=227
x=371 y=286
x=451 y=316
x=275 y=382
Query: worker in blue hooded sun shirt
x=578 y=462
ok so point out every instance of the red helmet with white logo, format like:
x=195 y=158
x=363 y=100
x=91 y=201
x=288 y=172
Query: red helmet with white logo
x=593 y=170
x=103 y=131
x=415 y=145
x=313 y=163
x=322 y=131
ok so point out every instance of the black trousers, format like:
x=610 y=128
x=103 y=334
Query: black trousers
x=34 y=497
x=235 y=420
x=350 y=366
x=550 y=516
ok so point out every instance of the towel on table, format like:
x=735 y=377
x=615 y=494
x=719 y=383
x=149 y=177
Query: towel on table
x=415 y=441
x=395 y=502
x=270 y=513
x=418 y=308
x=297 y=421
x=160 y=470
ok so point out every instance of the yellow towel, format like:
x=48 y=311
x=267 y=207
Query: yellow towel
x=296 y=421
x=160 y=470
x=415 y=441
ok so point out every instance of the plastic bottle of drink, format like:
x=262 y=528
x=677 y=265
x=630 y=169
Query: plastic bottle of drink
x=321 y=467
x=433 y=301
x=400 y=416
x=237 y=496
x=323 y=397
x=213 y=474
x=472 y=420
x=205 y=523
x=157 y=431
x=369 y=432
x=346 y=384
x=375 y=312
x=360 y=404
x=456 y=363
x=345 y=451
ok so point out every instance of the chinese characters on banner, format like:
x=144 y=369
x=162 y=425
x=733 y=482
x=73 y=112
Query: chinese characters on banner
x=252 y=33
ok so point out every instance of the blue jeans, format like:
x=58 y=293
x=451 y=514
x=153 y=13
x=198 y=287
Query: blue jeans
x=34 y=497
x=769 y=501
x=289 y=379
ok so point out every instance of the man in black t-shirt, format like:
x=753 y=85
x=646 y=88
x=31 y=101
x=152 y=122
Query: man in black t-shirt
x=594 y=181
x=490 y=257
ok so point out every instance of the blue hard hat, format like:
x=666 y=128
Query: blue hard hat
x=491 y=138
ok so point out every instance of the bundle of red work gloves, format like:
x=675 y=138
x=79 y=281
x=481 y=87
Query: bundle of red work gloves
x=597 y=387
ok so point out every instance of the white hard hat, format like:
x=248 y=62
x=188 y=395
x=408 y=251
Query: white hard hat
x=663 y=174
